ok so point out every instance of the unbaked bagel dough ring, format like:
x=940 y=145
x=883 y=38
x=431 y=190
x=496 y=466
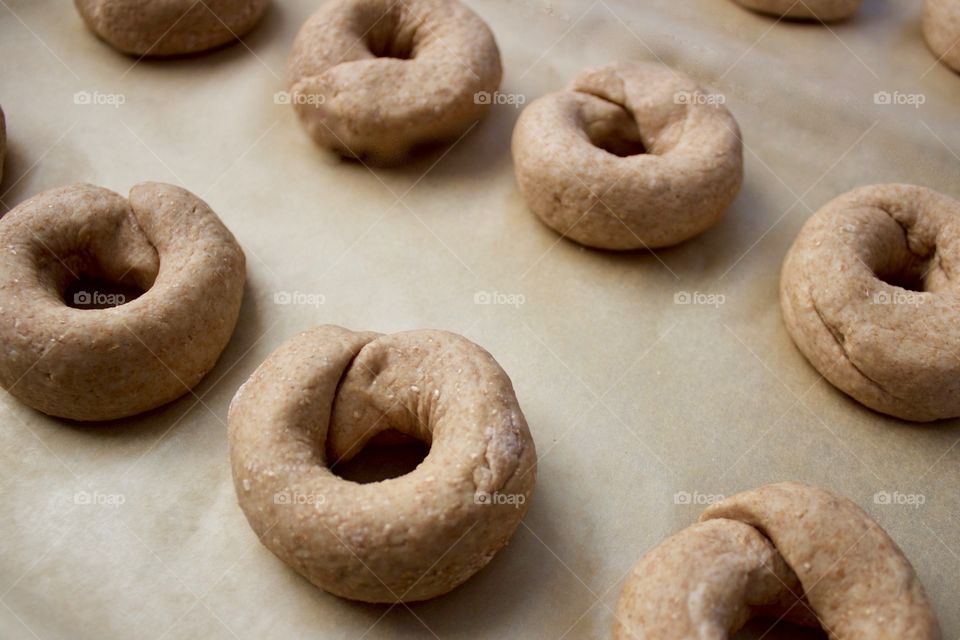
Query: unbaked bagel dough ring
x=844 y=304
x=941 y=27
x=725 y=571
x=325 y=393
x=784 y=549
x=375 y=79
x=100 y=364
x=682 y=183
x=169 y=27
x=824 y=10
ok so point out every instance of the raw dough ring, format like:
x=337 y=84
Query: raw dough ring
x=824 y=10
x=375 y=79
x=782 y=549
x=941 y=27
x=683 y=184
x=893 y=349
x=325 y=393
x=100 y=364
x=169 y=27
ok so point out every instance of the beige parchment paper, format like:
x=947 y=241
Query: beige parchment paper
x=641 y=408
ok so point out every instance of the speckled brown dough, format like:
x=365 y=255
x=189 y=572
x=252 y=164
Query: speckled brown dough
x=893 y=349
x=783 y=549
x=170 y=27
x=321 y=396
x=825 y=10
x=941 y=27
x=683 y=184
x=374 y=79
x=100 y=364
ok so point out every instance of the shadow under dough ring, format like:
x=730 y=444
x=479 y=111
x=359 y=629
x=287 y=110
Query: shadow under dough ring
x=100 y=364
x=169 y=27
x=375 y=79
x=825 y=10
x=783 y=549
x=324 y=394
x=630 y=156
x=869 y=296
x=941 y=28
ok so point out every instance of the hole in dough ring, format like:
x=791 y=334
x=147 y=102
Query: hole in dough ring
x=783 y=549
x=824 y=10
x=374 y=79
x=325 y=393
x=941 y=28
x=169 y=27
x=100 y=364
x=845 y=305
x=683 y=183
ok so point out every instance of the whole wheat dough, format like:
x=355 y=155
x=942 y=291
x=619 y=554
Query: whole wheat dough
x=869 y=297
x=319 y=398
x=100 y=364
x=785 y=550
x=377 y=79
x=941 y=27
x=631 y=155
x=169 y=27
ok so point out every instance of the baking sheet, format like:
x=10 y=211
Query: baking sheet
x=641 y=408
